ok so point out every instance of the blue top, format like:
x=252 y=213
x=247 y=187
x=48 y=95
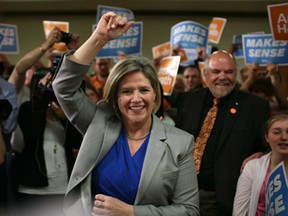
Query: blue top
x=8 y=91
x=118 y=174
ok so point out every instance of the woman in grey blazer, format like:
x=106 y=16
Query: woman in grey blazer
x=129 y=163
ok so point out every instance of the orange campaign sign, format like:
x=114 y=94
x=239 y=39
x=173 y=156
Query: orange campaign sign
x=161 y=50
x=278 y=18
x=64 y=26
x=165 y=49
x=216 y=28
x=167 y=73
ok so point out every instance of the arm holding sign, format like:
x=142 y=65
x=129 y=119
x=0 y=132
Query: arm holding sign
x=279 y=91
x=265 y=83
x=250 y=70
x=202 y=54
x=32 y=58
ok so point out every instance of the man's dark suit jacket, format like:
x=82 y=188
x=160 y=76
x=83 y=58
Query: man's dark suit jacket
x=242 y=135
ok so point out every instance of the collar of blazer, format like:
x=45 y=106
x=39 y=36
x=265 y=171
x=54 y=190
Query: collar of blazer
x=101 y=136
x=155 y=149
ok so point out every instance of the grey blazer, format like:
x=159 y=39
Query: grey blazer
x=168 y=183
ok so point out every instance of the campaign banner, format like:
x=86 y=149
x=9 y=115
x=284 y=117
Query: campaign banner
x=276 y=192
x=9 y=39
x=161 y=50
x=167 y=73
x=130 y=43
x=278 y=19
x=263 y=49
x=102 y=9
x=216 y=28
x=189 y=35
x=49 y=25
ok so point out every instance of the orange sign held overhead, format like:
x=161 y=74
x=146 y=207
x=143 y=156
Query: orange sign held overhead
x=216 y=28
x=278 y=18
x=64 y=26
x=161 y=50
x=167 y=73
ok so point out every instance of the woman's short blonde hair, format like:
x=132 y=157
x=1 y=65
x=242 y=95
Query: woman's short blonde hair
x=279 y=116
x=126 y=66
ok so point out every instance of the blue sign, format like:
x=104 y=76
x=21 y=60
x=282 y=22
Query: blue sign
x=263 y=49
x=130 y=43
x=101 y=9
x=276 y=192
x=8 y=39
x=189 y=35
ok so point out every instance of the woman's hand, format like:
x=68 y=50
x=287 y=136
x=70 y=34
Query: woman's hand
x=106 y=205
x=108 y=28
x=112 y=26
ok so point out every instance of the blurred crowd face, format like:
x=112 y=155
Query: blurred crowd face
x=102 y=66
x=221 y=74
x=191 y=78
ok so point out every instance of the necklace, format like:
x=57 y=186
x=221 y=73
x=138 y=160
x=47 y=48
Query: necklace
x=136 y=139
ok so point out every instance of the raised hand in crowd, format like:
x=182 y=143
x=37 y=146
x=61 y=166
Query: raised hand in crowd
x=275 y=78
x=202 y=54
x=250 y=73
x=265 y=83
x=31 y=58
